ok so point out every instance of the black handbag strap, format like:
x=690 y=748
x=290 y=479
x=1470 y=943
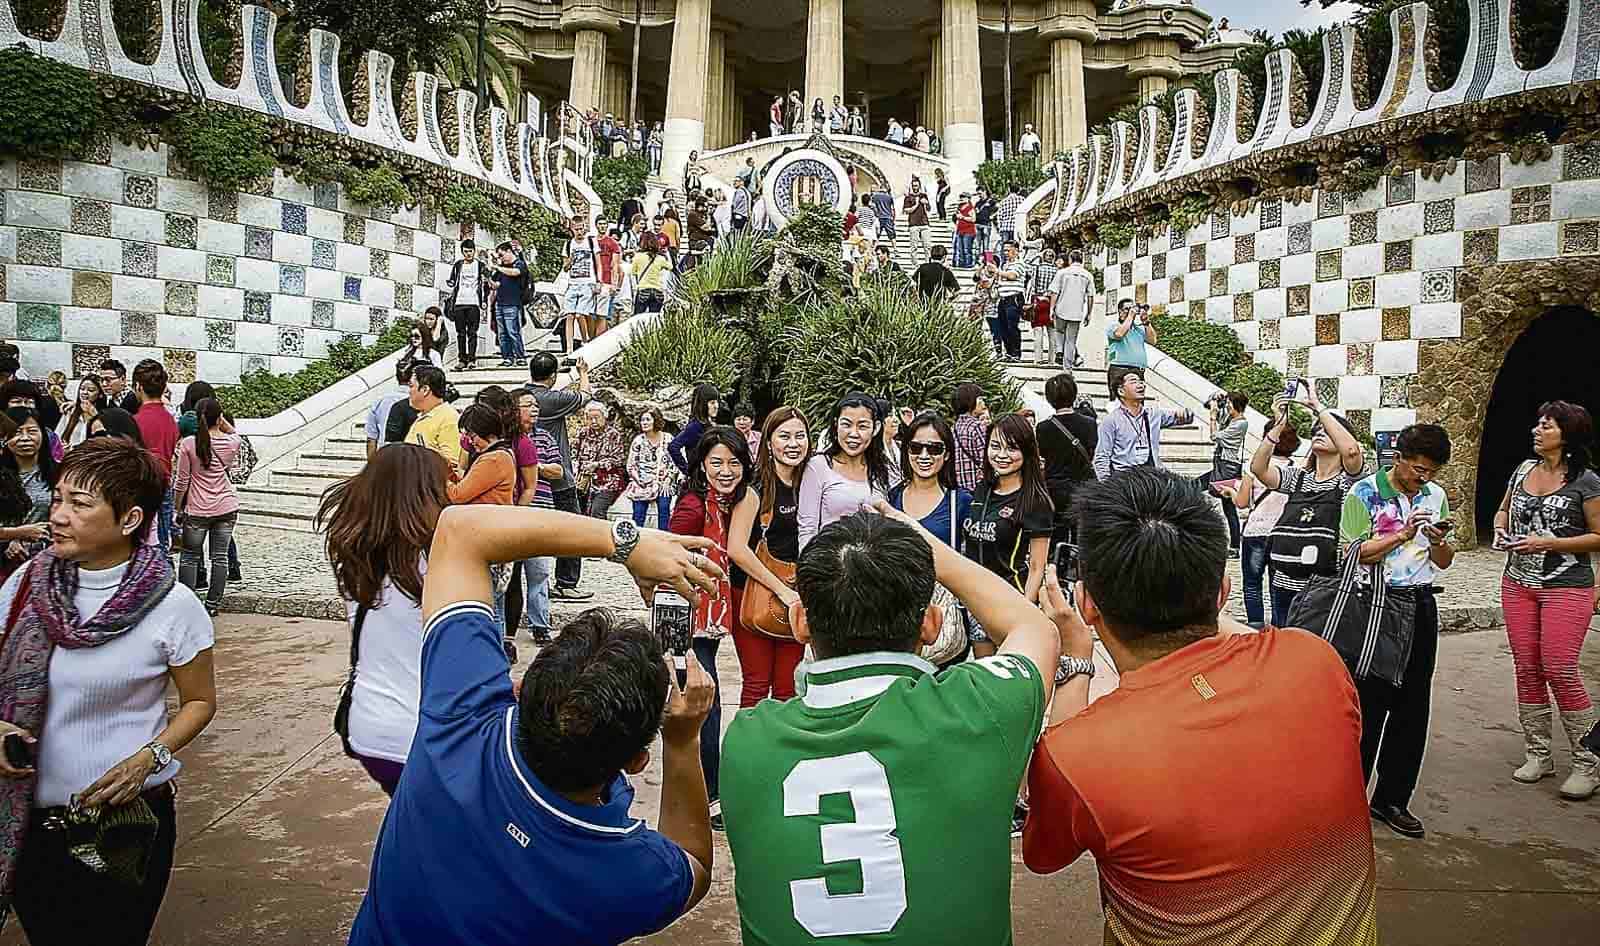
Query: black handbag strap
x=1056 y=419
x=1349 y=586
x=355 y=638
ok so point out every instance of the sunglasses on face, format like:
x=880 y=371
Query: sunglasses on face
x=931 y=449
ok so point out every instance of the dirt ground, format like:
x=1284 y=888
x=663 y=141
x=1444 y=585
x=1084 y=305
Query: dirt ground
x=276 y=825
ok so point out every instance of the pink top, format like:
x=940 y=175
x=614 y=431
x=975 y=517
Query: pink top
x=206 y=491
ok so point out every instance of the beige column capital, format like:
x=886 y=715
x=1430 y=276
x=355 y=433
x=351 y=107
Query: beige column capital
x=684 y=129
x=588 y=15
x=588 y=69
x=1068 y=18
x=1068 y=113
x=824 y=53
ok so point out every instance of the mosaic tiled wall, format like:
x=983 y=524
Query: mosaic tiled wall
x=1340 y=289
x=127 y=256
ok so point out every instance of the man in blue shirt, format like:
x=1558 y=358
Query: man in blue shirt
x=1130 y=433
x=510 y=290
x=511 y=823
x=1126 y=339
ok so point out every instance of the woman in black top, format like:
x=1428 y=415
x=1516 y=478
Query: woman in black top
x=768 y=664
x=1012 y=517
x=1066 y=442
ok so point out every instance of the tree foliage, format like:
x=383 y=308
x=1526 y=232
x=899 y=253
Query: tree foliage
x=45 y=106
x=996 y=177
x=617 y=179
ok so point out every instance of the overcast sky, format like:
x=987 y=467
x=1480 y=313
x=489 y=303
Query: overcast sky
x=1274 y=16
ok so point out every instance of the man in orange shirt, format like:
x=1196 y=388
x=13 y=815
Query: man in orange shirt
x=1219 y=787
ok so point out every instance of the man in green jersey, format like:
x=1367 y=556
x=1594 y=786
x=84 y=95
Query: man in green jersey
x=876 y=806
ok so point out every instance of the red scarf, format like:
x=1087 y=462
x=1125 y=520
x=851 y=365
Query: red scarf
x=713 y=613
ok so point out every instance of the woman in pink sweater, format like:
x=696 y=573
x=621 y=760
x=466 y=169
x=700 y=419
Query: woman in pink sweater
x=204 y=498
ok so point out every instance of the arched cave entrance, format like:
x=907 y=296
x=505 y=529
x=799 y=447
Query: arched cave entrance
x=1555 y=358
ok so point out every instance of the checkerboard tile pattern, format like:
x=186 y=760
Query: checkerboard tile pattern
x=131 y=257
x=1338 y=288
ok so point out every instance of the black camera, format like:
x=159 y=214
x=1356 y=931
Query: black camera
x=568 y=363
x=1067 y=568
x=452 y=394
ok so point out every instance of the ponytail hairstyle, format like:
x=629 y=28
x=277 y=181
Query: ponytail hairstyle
x=500 y=401
x=1015 y=430
x=208 y=412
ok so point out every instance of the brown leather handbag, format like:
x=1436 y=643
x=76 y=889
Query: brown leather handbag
x=761 y=610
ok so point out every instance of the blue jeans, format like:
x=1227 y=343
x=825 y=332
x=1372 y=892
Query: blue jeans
x=1282 y=601
x=705 y=651
x=1253 y=561
x=641 y=509
x=536 y=574
x=1010 y=329
x=964 y=250
x=164 y=528
x=508 y=332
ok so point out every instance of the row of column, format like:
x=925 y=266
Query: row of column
x=724 y=118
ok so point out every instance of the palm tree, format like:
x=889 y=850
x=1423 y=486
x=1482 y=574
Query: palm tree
x=457 y=62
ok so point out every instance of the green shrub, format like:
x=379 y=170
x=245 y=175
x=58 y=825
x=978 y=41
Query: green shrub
x=737 y=263
x=815 y=227
x=379 y=186
x=1261 y=382
x=1210 y=350
x=465 y=204
x=226 y=146
x=887 y=342
x=996 y=177
x=1187 y=213
x=543 y=231
x=263 y=393
x=617 y=179
x=1115 y=234
x=685 y=347
x=46 y=107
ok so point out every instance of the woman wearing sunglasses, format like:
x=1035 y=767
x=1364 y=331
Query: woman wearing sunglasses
x=929 y=491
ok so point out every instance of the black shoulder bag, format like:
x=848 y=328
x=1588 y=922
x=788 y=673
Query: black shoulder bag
x=341 y=715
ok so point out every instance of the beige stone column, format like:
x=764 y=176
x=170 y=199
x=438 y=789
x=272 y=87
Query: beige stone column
x=936 y=79
x=1069 y=115
x=1154 y=62
x=1152 y=85
x=715 y=60
x=963 y=84
x=684 y=129
x=730 y=106
x=588 y=69
x=1043 y=119
x=824 y=54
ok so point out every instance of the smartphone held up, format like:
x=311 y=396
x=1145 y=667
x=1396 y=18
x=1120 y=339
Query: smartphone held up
x=1066 y=562
x=672 y=620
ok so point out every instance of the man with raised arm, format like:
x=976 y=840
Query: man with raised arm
x=511 y=824
x=876 y=807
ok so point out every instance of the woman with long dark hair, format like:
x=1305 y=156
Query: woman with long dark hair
x=1549 y=523
x=929 y=492
x=378 y=525
x=718 y=481
x=98 y=633
x=650 y=469
x=204 y=496
x=26 y=453
x=703 y=411
x=850 y=473
x=87 y=401
x=770 y=513
x=115 y=422
x=1012 y=516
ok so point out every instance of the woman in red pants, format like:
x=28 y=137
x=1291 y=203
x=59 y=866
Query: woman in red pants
x=769 y=512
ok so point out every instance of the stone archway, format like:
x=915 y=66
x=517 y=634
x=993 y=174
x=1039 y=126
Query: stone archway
x=1456 y=376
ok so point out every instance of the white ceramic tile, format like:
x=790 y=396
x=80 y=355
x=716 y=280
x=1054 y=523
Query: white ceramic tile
x=1483 y=209
x=38 y=284
x=1528 y=241
x=1243 y=277
x=285 y=187
x=91 y=180
x=219 y=367
x=1270 y=244
x=1361 y=325
x=97 y=254
x=1330 y=233
x=1270 y=304
x=180 y=264
x=291 y=248
x=1298 y=213
x=357 y=260
x=1394 y=357
x=45 y=357
x=1363 y=260
x=377 y=292
x=1526 y=175
x=137 y=223
x=1359 y=392
x=8 y=319
x=225 y=239
x=138 y=294
x=351 y=317
x=1298 y=331
x=183 y=197
x=8 y=244
x=1400 y=222
x=90 y=326
x=1219 y=253
x=284 y=364
x=1397 y=289
x=1569 y=199
x=1277 y=358
x=256 y=338
x=38 y=210
x=263 y=212
x=1393 y=418
x=181 y=331
x=426 y=246
x=1436 y=251
x=1451 y=185
x=1436 y=320
x=142 y=160
x=291 y=310
x=380 y=234
x=327 y=224
x=403 y=270
x=219 y=302
x=324 y=284
x=1329 y=297
x=258 y=275
x=1298 y=269
x=1327 y=361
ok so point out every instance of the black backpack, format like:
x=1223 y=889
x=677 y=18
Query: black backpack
x=1310 y=520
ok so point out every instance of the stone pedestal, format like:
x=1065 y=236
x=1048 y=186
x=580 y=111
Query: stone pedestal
x=684 y=130
x=588 y=69
x=824 y=53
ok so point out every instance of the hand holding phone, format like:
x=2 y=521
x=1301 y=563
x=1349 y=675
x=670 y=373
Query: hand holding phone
x=672 y=619
x=1066 y=562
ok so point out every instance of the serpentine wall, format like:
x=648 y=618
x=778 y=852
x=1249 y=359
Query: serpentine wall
x=1389 y=245
x=126 y=254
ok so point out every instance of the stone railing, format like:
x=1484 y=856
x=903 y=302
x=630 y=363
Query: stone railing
x=1131 y=169
x=551 y=169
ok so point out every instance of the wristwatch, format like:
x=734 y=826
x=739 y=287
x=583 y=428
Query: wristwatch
x=1069 y=667
x=162 y=753
x=624 y=536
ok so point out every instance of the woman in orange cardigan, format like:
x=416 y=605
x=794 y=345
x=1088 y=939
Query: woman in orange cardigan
x=490 y=477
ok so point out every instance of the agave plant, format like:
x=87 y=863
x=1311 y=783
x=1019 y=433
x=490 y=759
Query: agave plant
x=686 y=346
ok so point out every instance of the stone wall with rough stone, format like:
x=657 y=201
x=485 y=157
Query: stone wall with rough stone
x=126 y=256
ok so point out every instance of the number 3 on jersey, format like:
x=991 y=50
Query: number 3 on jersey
x=869 y=839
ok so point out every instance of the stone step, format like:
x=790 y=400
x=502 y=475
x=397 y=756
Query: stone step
x=280 y=500
x=303 y=480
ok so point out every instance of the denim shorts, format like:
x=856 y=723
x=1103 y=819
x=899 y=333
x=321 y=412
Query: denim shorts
x=579 y=298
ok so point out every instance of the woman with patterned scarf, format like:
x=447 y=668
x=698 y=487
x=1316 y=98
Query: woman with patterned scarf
x=96 y=627
x=719 y=476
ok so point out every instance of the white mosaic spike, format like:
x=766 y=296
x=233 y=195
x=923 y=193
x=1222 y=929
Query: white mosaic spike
x=528 y=178
x=1146 y=167
x=9 y=34
x=327 y=97
x=1061 y=173
x=1225 y=123
x=1489 y=68
x=1091 y=196
x=258 y=79
x=1121 y=146
x=500 y=161
x=1180 y=158
x=1276 y=122
x=179 y=65
x=1405 y=85
x=1336 y=104
x=1578 y=57
x=425 y=140
x=1043 y=192
x=542 y=155
x=467 y=158
x=383 y=126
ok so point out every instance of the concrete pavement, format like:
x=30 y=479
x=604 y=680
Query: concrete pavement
x=276 y=825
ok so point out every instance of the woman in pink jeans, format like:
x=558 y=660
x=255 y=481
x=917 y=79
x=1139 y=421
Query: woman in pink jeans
x=1549 y=522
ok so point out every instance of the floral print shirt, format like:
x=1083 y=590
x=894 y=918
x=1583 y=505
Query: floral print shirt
x=601 y=459
x=1374 y=508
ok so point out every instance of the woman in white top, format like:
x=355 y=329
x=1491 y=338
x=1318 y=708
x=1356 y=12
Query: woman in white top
x=1263 y=507
x=420 y=348
x=650 y=469
x=87 y=401
x=98 y=628
x=850 y=473
x=379 y=524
